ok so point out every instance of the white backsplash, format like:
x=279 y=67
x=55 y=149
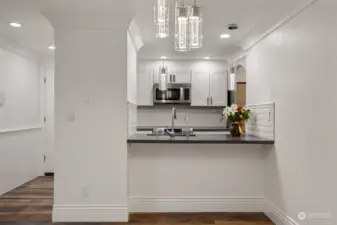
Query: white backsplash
x=132 y=119
x=262 y=122
x=197 y=117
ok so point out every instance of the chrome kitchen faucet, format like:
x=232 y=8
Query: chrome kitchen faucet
x=174 y=117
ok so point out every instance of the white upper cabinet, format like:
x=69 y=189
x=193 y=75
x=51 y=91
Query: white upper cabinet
x=209 y=89
x=208 y=80
x=145 y=89
x=218 y=89
x=200 y=88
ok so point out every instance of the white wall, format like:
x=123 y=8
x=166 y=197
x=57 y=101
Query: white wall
x=241 y=70
x=132 y=119
x=21 y=156
x=19 y=81
x=91 y=123
x=132 y=70
x=294 y=66
x=241 y=75
x=132 y=84
x=195 y=178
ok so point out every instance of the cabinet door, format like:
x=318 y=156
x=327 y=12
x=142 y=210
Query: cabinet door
x=145 y=89
x=200 y=88
x=219 y=88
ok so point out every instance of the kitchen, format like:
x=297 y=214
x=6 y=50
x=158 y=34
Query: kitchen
x=181 y=155
x=193 y=102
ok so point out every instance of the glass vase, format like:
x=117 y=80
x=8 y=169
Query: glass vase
x=235 y=128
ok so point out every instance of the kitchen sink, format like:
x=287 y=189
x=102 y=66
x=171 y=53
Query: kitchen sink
x=175 y=135
x=163 y=132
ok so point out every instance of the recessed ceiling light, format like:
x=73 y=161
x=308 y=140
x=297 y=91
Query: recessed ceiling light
x=163 y=57
x=207 y=57
x=15 y=24
x=52 y=47
x=225 y=36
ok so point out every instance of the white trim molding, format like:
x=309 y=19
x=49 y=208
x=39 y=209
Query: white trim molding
x=132 y=105
x=90 y=213
x=16 y=48
x=267 y=104
x=236 y=204
x=277 y=215
x=21 y=129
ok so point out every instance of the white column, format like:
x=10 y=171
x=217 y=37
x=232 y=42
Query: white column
x=90 y=119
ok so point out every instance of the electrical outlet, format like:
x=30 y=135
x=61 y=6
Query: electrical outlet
x=85 y=191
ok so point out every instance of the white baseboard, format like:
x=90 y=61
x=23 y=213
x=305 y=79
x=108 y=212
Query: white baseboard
x=277 y=215
x=90 y=213
x=137 y=204
x=111 y=213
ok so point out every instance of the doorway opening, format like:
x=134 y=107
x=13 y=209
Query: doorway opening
x=241 y=86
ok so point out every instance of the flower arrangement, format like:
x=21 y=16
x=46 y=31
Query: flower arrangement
x=236 y=115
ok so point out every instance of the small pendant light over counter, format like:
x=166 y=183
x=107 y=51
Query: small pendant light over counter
x=163 y=74
x=231 y=86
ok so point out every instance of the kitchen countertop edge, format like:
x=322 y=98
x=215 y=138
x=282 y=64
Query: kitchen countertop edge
x=200 y=139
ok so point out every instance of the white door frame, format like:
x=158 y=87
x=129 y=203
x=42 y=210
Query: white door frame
x=49 y=112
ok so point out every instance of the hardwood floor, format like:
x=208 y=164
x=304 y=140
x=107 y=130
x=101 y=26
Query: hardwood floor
x=31 y=204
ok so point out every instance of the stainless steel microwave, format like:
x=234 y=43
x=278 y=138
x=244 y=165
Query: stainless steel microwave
x=177 y=93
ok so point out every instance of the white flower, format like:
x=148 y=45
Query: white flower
x=234 y=107
x=230 y=111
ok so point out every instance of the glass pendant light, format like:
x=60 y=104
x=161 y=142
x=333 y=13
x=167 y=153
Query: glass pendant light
x=231 y=94
x=163 y=74
x=195 y=26
x=232 y=79
x=162 y=18
x=182 y=27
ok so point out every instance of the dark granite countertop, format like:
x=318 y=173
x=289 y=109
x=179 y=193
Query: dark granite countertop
x=201 y=139
x=201 y=129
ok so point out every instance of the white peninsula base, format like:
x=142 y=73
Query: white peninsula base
x=196 y=177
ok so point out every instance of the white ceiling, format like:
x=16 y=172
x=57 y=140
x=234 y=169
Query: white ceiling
x=35 y=35
x=253 y=16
